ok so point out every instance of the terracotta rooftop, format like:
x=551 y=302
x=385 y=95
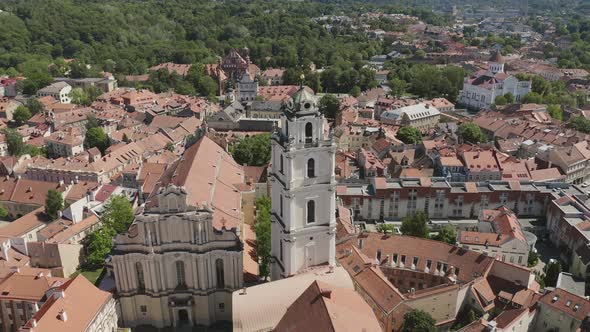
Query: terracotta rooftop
x=82 y=302
x=208 y=173
x=323 y=307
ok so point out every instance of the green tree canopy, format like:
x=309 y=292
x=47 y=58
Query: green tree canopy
x=98 y=246
x=118 y=214
x=263 y=235
x=330 y=106
x=409 y=135
x=96 y=137
x=54 y=203
x=34 y=105
x=91 y=121
x=21 y=115
x=555 y=111
x=552 y=271
x=252 y=151
x=500 y=101
x=509 y=98
x=415 y=225
x=418 y=321
x=470 y=132
x=447 y=234
x=15 y=143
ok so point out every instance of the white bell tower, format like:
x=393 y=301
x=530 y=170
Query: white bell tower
x=302 y=189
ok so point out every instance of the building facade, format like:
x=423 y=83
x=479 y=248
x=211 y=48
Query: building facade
x=480 y=91
x=302 y=189
x=173 y=268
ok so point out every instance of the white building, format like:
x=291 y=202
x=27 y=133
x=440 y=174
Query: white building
x=421 y=116
x=58 y=90
x=480 y=91
x=247 y=89
x=174 y=267
x=302 y=189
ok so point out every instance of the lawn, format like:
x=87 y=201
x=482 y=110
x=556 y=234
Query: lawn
x=91 y=275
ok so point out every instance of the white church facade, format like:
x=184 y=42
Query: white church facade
x=302 y=189
x=480 y=90
x=173 y=268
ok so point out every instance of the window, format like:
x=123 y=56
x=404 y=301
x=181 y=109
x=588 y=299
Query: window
x=140 y=279
x=180 y=277
x=310 y=212
x=311 y=168
x=281 y=250
x=143 y=309
x=281 y=205
x=379 y=255
x=308 y=132
x=282 y=162
x=395 y=258
x=222 y=307
x=219 y=273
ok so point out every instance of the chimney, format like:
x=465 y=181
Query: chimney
x=327 y=293
x=62 y=316
x=5 y=248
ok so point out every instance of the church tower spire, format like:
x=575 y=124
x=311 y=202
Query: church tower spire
x=302 y=189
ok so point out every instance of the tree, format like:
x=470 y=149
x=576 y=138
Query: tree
x=409 y=135
x=263 y=236
x=355 y=91
x=552 y=271
x=91 y=121
x=117 y=214
x=579 y=123
x=555 y=111
x=398 y=87
x=509 y=98
x=34 y=105
x=54 y=203
x=470 y=132
x=533 y=258
x=125 y=138
x=170 y=146
x=96 y=137
x=330 y=106
x=79 y=97
x=500 y=100
x=415 y=225
x=447 y=234
x=21 y=115
x=15 y=142
x=418 y=321
x=532 y=98
x=98 y=246
x=385 y=228
x=3 y=212
x=252 y=151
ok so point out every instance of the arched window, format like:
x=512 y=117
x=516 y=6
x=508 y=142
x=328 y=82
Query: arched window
x=308 y=132
x=140 y=279
x=310 y=211
x=219 y=273
x=180 y=278
x=310 y=168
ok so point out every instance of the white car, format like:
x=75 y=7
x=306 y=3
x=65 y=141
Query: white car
x=585 y=184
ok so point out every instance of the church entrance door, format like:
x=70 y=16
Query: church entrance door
x=183 y=319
